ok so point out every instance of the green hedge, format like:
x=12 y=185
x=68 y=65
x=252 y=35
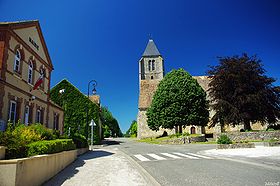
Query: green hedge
x=50 y=146
x=80 y=140
x=224 y=139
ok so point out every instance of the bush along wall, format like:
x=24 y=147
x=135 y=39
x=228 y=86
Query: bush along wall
x=75 y=105
x=50 y=146
x=18 y=137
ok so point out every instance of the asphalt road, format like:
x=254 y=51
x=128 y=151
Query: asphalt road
x=185 y=165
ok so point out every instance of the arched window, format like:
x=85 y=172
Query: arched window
x=26 y=115
x=192 y=130
x=17 y=61
x=39 y=116
x=149 y=64
x=153 y=65
x=30 y=72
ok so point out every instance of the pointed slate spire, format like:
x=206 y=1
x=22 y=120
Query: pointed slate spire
x=151 y=49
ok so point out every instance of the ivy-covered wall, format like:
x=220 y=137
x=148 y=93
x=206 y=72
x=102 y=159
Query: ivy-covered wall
x=75 y=106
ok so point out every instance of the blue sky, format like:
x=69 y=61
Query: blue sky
x=104 y=40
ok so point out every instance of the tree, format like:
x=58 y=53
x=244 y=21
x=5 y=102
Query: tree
x=132 y=131
x=242 y=93
x=110 y=124
x=179 y=101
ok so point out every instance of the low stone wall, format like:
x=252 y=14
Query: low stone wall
x=243 y=136
x=198 y=139
x=235 y=146
x=184 y=140
x=34 y=170
x=82 y=151
x=271 y=144
x=2 y=152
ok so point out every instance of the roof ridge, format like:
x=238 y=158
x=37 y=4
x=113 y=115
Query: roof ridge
x=18 y=22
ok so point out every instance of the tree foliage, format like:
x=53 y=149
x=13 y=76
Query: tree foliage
x=75 y=106
x=178 y=101
x=132 y=131
x=110 y=124
x=242 y=93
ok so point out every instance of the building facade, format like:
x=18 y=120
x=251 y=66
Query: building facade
x=151 y=72
x=24 y=59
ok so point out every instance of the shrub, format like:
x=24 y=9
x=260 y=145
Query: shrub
x=80 y=140
x=16 y=138
x=50 y=146
x=64 y=136
x=224 y=139
x=106 y=134
x=178 y=134
x=185 y=134
x=270 y=129
x=46 y=134
x=133 y=135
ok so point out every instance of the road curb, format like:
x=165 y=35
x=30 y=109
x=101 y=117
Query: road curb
x=150 y=180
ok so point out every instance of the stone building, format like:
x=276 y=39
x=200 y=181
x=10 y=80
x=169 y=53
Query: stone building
x=24 y=61
x=151 y=72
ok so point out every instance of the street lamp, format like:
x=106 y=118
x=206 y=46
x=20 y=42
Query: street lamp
x=92 y=124
x=94 y=84
x=61 y=92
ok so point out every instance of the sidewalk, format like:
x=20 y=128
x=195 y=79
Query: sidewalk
x=102 y=166
x=259 y=151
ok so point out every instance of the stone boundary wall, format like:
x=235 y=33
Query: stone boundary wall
x=82 y=151
x=243 y=136
x=34 y=170
x=235 y=146
x=185 y=140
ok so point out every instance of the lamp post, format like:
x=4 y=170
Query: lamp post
x=61 y=92
x=94 y=84
x=92 y=124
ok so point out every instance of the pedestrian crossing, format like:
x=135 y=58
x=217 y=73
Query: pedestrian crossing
x=170 y=156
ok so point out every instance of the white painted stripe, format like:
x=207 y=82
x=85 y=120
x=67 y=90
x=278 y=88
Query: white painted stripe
x=156 y=157
x=171 y=156
x=186 y=156
x=201 y=156
x=141 y=158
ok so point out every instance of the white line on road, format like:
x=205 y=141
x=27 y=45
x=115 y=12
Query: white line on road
x=200 y=156
x=186 y=156
x=141 y=158
x=171 y=156
x=156 y=157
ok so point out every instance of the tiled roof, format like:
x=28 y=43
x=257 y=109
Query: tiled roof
x=151 y=49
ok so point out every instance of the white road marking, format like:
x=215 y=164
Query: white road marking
x=171 y=156
x=156 y=157
x=186 y=156
x=200 y=156
x=141 y=158
x=177 y=155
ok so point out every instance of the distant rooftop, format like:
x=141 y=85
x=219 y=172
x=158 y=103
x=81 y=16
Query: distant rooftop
x=151 y=49
x=18 y=22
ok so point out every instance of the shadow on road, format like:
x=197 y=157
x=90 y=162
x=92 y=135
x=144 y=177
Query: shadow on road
x=72 y=169
x=111 y=142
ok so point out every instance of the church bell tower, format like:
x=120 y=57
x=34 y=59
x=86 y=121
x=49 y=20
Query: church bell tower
x=151 y=63
x=151 y=72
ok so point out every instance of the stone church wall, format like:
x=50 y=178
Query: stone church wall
x=144 y=131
